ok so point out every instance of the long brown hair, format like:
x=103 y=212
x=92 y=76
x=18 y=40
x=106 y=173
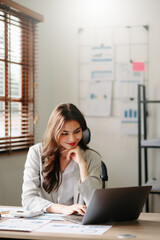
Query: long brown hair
x=50 y=144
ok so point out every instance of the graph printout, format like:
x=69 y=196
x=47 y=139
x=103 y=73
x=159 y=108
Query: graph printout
x=128 y=79
x=102 y=65
x=129 y=117
x=26 y=225
x=98 y=101
x=74 y=228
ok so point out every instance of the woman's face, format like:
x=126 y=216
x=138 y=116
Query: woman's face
x=71 y=134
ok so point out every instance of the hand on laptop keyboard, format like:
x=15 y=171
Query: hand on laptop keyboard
x=75 y=208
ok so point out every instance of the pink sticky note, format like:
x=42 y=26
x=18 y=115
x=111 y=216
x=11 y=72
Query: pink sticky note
x=138 y=66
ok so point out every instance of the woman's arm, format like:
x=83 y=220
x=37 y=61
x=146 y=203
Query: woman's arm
x=93 y=180
x=32 y=190
x=89 y=163
x=66 y=210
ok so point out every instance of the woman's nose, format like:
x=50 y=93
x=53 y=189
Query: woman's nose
x=72 y=137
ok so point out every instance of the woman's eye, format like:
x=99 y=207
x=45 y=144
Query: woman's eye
x=64 y=134
x=77 y=131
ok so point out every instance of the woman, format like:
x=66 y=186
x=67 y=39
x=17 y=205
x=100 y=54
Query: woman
x=61 y=173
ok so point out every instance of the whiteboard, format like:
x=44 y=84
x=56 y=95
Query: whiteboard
x=129 y=44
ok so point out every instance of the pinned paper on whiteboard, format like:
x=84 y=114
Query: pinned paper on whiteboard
x=98 y=102
x=128 y=80
x=129 y=117
x=102 y=63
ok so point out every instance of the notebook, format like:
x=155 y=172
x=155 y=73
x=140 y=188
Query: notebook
x=113 y=204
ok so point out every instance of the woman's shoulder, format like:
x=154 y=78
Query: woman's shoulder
x=35 y=149
x=91 y=154
x=34 y=156
x=37 y=146
x=91 y=151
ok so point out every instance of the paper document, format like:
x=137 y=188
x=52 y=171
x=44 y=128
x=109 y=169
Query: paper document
x=129 y=117
x=102 y=65
x=25 y=225
x=74 y=228
x=128 y=79
x=99 y=95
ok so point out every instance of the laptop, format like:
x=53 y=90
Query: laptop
x=113 y=205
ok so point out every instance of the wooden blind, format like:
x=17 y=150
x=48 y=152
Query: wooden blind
x=17 y=40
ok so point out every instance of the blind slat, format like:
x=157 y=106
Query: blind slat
x=38 y=17
x=17 y=68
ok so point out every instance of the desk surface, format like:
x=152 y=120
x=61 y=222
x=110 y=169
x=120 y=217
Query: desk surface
x=146 y=227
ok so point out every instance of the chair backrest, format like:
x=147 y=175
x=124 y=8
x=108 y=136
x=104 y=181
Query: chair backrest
x=104 y=174
x=86 y=135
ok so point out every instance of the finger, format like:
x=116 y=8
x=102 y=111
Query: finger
x=81 y=209
x=71 y=154
x=84 y=208
x=68 y=157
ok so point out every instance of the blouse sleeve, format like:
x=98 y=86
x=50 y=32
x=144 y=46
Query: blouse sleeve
x=93 y=181
x=32 y=190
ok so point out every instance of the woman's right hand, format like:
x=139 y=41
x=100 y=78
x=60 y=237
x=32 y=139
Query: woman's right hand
x=67 y=210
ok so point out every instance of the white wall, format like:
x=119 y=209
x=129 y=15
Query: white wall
x=58 y=82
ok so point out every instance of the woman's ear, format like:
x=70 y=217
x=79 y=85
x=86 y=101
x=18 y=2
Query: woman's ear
x=86 y=135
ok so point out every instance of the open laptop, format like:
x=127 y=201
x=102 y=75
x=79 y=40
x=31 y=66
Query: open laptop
x=113 y=204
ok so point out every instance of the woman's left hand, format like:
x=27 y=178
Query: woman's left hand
x=76 y=155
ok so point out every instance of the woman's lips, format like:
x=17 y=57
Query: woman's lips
x=72 y=144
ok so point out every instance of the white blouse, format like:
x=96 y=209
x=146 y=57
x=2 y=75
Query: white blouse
x=66 y=189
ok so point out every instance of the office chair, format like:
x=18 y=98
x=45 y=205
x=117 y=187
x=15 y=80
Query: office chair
x=104 y=174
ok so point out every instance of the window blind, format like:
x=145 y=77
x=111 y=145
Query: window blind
x=17 y=41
